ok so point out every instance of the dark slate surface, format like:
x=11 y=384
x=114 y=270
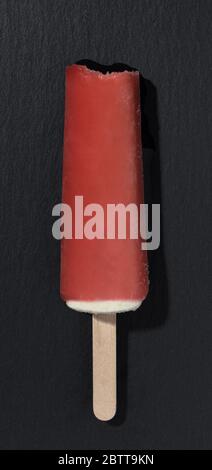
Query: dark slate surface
x=165 y=350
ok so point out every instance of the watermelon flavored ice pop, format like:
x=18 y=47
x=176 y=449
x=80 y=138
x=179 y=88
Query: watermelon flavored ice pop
x=103 y=164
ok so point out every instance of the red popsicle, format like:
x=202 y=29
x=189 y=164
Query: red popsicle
x=102 y=164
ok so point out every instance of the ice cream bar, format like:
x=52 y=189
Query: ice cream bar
x=102 y=273
x=102 y=164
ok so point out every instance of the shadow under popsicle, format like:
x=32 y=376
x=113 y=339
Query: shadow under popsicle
x=153 y=312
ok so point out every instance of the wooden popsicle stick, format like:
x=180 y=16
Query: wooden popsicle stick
x=104 y=366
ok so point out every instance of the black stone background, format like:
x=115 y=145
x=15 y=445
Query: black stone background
x=165 y=349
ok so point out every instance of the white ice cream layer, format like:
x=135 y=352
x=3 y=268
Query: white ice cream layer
x=104 y=306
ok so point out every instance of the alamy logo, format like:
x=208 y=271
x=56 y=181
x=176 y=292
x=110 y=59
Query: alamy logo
x=113 y=221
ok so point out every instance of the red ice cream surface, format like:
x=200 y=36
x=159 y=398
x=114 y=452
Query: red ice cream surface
x=103 y=163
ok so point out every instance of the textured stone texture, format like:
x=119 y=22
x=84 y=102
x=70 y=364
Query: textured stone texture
x=165 y=350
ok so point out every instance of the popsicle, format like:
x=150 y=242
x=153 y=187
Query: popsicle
x=103 y=271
